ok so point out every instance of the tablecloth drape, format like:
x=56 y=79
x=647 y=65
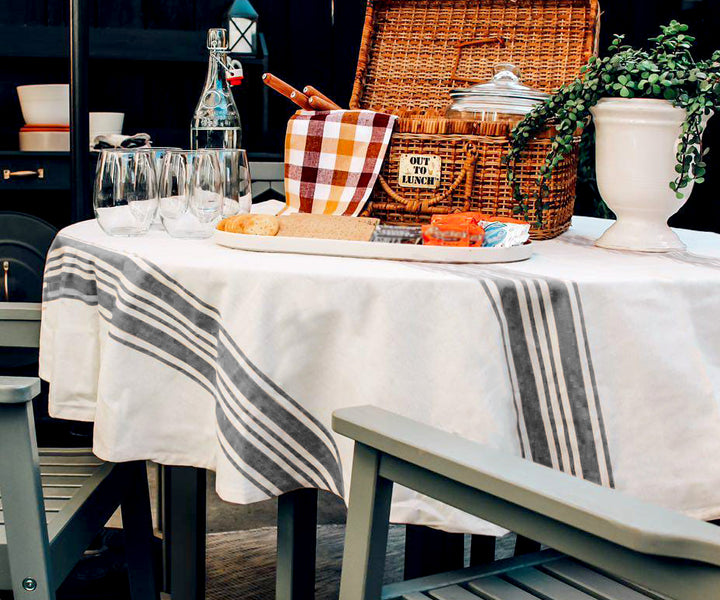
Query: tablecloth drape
x=604 y=364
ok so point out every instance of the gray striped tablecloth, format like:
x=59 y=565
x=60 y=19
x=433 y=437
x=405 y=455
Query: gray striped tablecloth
x=603 y=364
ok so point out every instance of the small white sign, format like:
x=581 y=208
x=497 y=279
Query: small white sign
x=420 y=171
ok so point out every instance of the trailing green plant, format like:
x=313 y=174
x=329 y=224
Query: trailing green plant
x=666 y=71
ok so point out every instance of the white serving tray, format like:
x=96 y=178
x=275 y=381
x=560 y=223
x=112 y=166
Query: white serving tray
x=437 y=254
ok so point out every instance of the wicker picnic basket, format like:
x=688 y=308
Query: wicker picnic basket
x=414 y=52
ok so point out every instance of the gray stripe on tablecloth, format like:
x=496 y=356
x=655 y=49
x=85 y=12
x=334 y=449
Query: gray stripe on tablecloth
x=128 y=344
x=245 y=474
x=236 y=407
x=544 y=372
x=572 y=358
x=65 y=279
x=144 y=329
x=571 y=362
x=257 y=371
x=62 y=284
x=593 y=380
x=539 y=450
x=278 y=390
x=508 y=360
x=284 y=416
x=89 y=300
x=571 y=365
x=257 y=396
x=139 y=277
x=252 y=456
x=57 y=282
x=554 y=370
x=189 y=358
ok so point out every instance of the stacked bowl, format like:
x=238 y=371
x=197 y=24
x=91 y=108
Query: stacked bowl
x=46 y=110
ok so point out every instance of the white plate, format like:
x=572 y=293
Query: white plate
x=45 y=141
x=438 y=254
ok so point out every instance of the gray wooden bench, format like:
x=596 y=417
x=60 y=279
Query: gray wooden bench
x=606 y=546
x=53 y=502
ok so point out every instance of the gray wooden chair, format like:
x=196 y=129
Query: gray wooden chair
x=53 y=502
x=605 y=546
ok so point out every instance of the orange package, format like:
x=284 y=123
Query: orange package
x=453 y=232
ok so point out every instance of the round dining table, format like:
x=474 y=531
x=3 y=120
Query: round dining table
x=601 y=363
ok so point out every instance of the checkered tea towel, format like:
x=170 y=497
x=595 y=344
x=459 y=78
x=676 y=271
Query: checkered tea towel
x=333 y=158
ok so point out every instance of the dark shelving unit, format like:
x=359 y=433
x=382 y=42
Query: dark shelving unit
x=115 y=43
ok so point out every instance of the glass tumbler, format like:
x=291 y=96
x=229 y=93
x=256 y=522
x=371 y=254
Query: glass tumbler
x=125 y=196
x=191 y=193
x=157 y=155
x=238 y=187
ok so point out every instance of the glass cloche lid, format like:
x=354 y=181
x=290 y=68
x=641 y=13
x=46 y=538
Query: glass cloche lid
x=503 y=94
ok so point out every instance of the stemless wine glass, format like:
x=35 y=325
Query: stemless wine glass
x=191 y=193
x=238 y=187
x=125 y=198
x=157 y=155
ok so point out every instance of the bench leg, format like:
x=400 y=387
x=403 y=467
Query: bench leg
x=23 y=505
x=138 y=528
x=296 y=545
x=367 y=528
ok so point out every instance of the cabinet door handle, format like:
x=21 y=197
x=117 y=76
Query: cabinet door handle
x=8 y=174
x=6 y=285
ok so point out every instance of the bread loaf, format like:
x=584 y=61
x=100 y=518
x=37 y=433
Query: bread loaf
x=328 y=227
x=251 y=224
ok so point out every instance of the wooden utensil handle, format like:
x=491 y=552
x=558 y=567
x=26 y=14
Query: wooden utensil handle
x=319 y=103
x=286 y=90
x=311 y=91
x=301 y=100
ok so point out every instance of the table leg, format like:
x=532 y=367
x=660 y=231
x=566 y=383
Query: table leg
x=482 y=550
x=184 y=535
x=430 y=551
x=525 y=545
x=296 y=545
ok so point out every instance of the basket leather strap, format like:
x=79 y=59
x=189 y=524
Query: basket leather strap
x=467 y=174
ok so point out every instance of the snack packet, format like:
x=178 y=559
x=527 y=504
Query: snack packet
x=500 y=232
x=453 y=230
x=397 y=234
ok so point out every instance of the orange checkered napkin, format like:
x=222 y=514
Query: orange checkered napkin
x=333 y=158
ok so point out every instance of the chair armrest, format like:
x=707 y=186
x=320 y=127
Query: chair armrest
x=18 y=390
x=602 y=512
x=20 y=311
x=20 y=324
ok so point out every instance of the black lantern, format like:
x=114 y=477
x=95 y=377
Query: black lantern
x=242 y=26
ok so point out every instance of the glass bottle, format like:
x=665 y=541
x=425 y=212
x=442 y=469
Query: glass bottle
x=216 y=123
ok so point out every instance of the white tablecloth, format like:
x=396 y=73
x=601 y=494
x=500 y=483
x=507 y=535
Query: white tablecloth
x=601 y=363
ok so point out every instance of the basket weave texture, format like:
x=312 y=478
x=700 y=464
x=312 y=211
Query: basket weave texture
x=414 y=52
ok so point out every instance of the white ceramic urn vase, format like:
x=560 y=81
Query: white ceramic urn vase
x=635 y=148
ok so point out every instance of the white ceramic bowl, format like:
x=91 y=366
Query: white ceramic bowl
x=45 y=141
x=105 y=123
x=45 y=104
